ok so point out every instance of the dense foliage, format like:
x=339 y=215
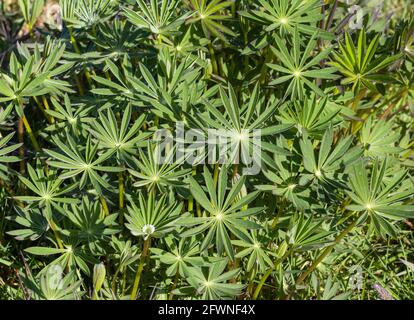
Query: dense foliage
x=87 y=211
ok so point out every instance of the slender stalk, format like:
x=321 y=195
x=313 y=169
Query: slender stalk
x=140 y=268
x=326 y=252
x=235 y=169
x=191 y=199
x=123 y=284
x=47 y=107
x=250 y=286
x=104 y=206
x=198 y=209
x=53 y=226
x=77 y=50
x=95 y=295
x=213 y=59
x=121 y=197
x=190 y=204
x=20 y=133
x=30 y=133
x=174 y=285
x=79 y=84
x=268 y=273
x=216 y=174
x=33 y=140
x=113 y=286
x=41 y=107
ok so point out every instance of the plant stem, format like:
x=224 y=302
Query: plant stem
x=174 y=285
x=20 y=132
x=53 y=226
x=326 y=252
x=113 y=286
x=213 y=59
x=140 y=268
x=250 y=286
x=121 y=197
x=47 y=107
x=268 y=273
x=191 y=198
x=30 y=133
x=235 y=169
x=104 y=206
x=77 y=50
x=216 y=174
x=42 y=109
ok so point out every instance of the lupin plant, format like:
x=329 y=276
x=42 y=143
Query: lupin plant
x=206 y=149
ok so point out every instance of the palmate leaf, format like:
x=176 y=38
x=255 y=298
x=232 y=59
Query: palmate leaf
x=48 y=59
x=86 y=14
x=283 y=173
x=22 y=82
x=207 y=13
x=118 y=88
x=212 y=282
x=5 y=155
x=164 y=92
x=287 y=15
x=83 y=163
x=380 y=198
x=327 y=168
x=118 y=40
x=84 y=83
x=156 y=172
x=72 y=256
x=156 y=17
x=242 y=125
x=259 y=256
x=306 y=234
x=53 y=285
x=359 y=65
x=311 y=115
x=224 y=213
x=180 y=256
x=152 y=218
x=379 y=139
x=47 y=188
x=32 y=222
x=299 y=68
x=68 y=115
x=122 y=139
x=89 y=226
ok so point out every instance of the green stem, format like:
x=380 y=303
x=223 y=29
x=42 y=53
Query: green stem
x=326 y=252
x=268 y=273
x=174 y=285
x=121 y=197
x=216 y=174
x=235 y=169
x=191 y=199
x=140 y=268
x=53 y=226
x=250 y=286
x=213 y=59
x=30 y=133
x=47 y=107
x=77 y=50
x=42 y=109
x=20 y=132
x=113 y=286
x=104 y=206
